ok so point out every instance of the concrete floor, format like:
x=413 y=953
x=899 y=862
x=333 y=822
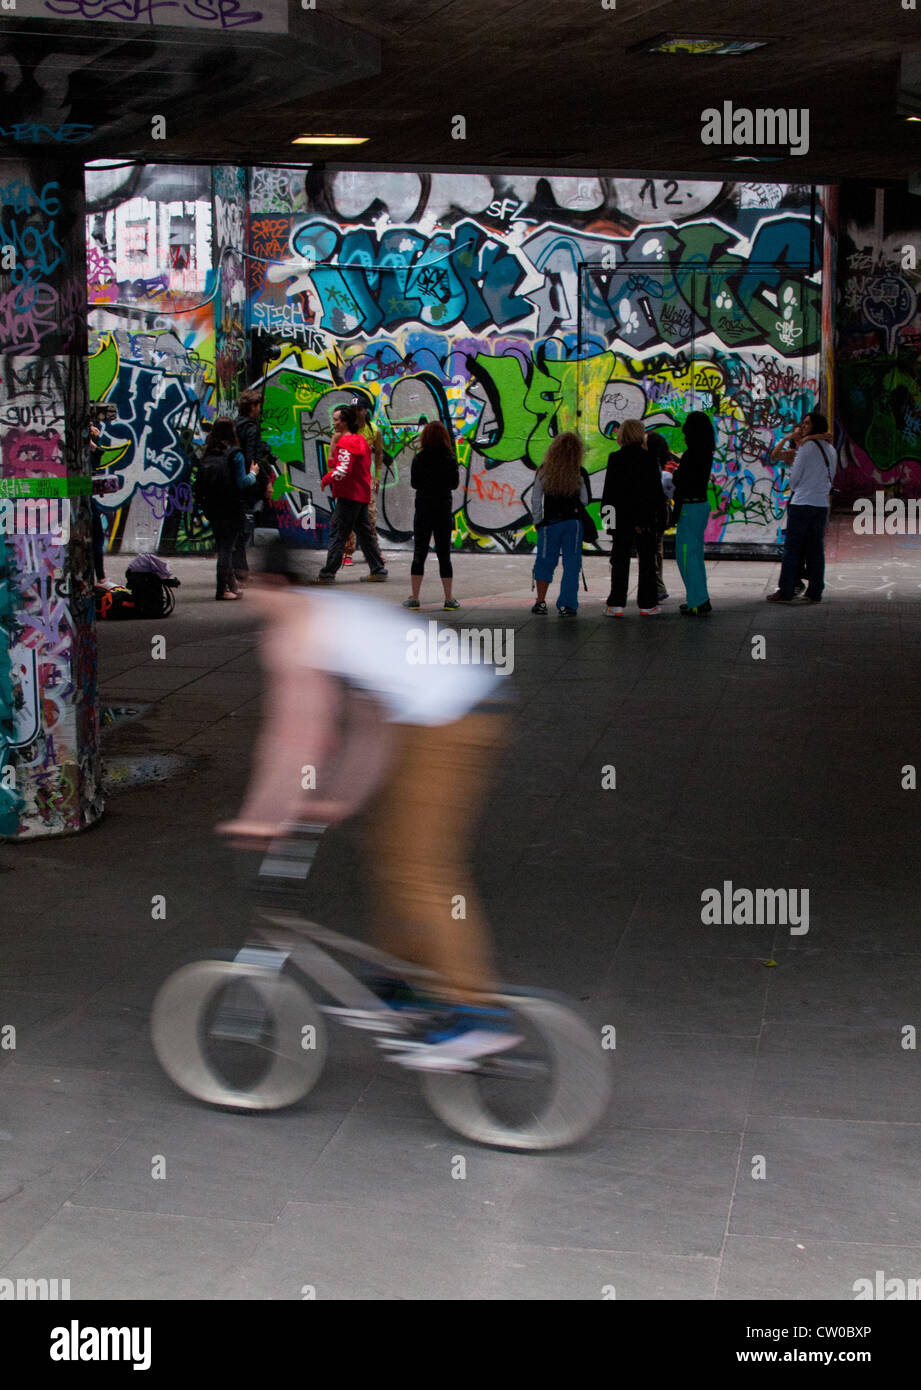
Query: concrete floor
x=740 y=1050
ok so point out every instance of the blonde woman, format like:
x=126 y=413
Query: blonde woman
x=633 y=487
x=561 y=490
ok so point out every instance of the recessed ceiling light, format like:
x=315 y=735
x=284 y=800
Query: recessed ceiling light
x=331 y=140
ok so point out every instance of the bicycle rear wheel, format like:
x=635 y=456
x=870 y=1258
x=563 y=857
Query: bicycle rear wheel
x=546 y=1093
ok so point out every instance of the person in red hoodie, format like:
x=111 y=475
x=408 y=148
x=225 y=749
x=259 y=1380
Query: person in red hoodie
x=349 y=479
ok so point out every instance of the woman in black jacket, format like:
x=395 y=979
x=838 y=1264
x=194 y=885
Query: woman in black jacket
x=434 y=476
x=692 y=506
x=633 y=487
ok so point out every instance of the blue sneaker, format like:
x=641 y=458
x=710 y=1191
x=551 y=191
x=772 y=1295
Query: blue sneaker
x=454 y=1038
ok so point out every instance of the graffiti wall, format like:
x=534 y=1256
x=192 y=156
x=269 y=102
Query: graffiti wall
x=515 y=307
x=154 y=299
x=49 y=769
x=878 y=342
x=510 y=307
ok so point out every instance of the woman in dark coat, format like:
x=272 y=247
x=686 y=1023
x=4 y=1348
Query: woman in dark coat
x=222 y=488
x=633 y=487
x=435 y=475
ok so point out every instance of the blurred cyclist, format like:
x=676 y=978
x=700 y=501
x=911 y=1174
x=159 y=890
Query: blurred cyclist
x=419 y=746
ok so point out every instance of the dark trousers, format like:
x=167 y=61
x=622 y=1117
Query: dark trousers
x=432 y=521
x=244 y=538
x=226 y=534
x=805 y=541
x=648 y=590
x=352 y=516
x=99 y=541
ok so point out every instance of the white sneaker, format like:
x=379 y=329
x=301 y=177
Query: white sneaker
x=610 y=612
x=650 y=612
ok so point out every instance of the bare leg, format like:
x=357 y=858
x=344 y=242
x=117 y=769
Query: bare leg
x=448 y=585
x=542 y=586
x=415 y=583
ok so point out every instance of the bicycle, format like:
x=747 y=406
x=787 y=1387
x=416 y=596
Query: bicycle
x=212 y=1019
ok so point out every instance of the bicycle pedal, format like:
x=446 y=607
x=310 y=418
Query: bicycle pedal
x=369 y=1020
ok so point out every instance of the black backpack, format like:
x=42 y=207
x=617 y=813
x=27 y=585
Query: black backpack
x=153 y=596
x=215 y=491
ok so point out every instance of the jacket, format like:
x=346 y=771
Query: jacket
x=434 y=475
x=633 y=487
x=547 y=507
x=349 y=474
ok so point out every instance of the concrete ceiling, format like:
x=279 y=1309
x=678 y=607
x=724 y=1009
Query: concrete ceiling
x=540 y=84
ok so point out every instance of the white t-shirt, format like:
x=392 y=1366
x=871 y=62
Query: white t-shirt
x=423 y=674
x=812 y=473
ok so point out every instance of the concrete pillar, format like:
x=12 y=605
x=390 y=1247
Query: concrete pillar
x=230 y=341
x=49 y=728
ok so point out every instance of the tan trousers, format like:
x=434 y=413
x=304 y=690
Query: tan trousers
x=417 y=836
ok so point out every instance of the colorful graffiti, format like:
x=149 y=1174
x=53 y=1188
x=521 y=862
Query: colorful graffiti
x=48 y=721
x=160 y=388
x=503 y=405
x=513 y=307
x=230 y=332
x=878 y=346
x=508 y=306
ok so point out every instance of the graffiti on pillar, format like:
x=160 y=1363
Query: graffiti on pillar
x=878 y=352
x=230 y=336
x=47 y=640
x=160 y=389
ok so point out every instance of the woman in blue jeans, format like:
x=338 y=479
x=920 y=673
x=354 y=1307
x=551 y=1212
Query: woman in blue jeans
x=561 y=490
x=692 y=481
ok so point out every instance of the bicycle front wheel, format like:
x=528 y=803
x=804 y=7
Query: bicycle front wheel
x=238 y=1035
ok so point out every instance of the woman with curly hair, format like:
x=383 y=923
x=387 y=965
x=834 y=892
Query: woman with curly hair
x=560 y=493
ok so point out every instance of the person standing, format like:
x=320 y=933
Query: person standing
x=349 y=480
x=376 y=444
x=658 y=448
x=692 y=510
x=814 y=465
x=434 y=476
x=221 y=489
x=249 y=410
x=633 y=487
x=560 y=493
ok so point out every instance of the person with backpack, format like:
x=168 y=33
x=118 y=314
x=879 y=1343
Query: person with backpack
x=434 y=476
x=249 y=435
x=814 y=465
x=559 y=497
x=221 y=489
